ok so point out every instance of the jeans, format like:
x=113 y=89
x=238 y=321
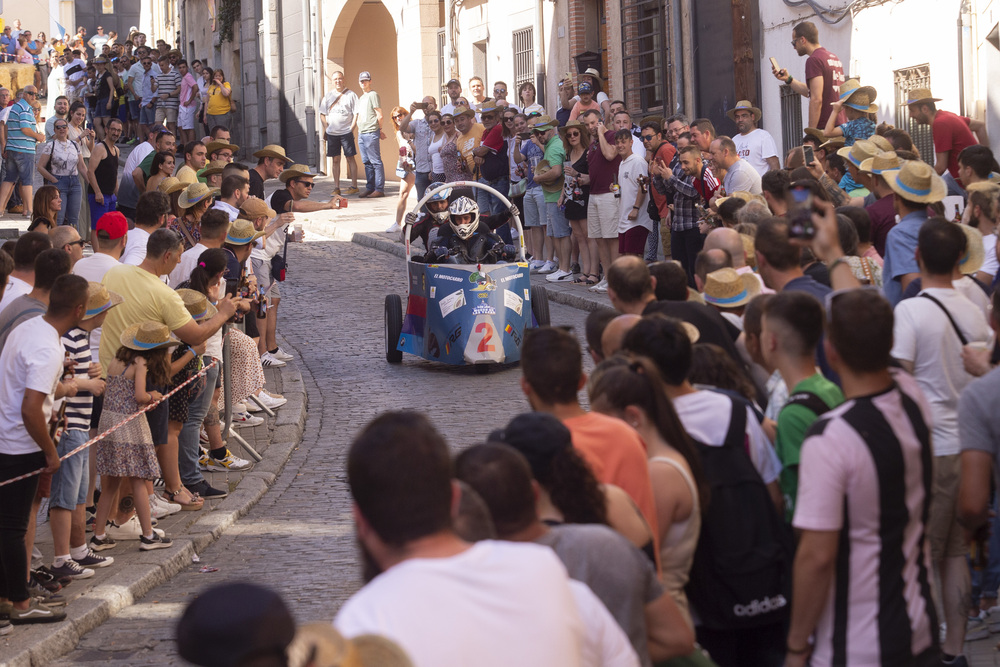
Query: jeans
x=372 y=159
x=684 y=247
x=97 y=210
x=487 y=202
x=15 y=509
x=71 y=192
x=187 y=442
x=422 y=180
x=653 y=243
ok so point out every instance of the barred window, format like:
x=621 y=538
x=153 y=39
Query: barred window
x=524 y=59
x=644 y=55
x=791 y=118
x=906 y=80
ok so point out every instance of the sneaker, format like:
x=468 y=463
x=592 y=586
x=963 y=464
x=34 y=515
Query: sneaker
x=5 y=627
x=171 y=508
x=229 y=462
x=395 y=228
x=35 y=613
x=207 y=491
x=46 y=580
x=268 y=360
x=239 y=407
x=130 y=530
x=977 y=628
x=281 y=354
x=47 y=598
x=549 y=267
x=365 y=194
x=204 y=460
x=97 y=544
x=559 y=276
x=156 y=542
x=155 y=511
x=353 y=190
x=93 y=560
x=246 y=419
x=600 y=287
x=270 y=401
x=71 y=569
x=203 y=437
x=535 y=264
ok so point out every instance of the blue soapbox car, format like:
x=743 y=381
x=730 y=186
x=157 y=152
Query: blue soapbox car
x=462 y=314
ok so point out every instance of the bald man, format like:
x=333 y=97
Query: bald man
x=67 y=238
x=708 y=261
x=614 y=333
x=731 y=241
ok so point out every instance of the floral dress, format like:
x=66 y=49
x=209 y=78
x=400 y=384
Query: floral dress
x=455 y=167
x=128 y=451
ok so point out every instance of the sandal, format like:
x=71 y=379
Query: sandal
x=195 y=503
x=587 y=279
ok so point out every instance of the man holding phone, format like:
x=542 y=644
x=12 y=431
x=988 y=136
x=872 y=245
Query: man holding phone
x=824 y=74
x=422 y=135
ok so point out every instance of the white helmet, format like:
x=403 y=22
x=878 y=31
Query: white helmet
x=464 y=206
x=442 y=195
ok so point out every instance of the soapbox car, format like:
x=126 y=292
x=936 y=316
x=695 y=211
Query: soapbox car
x=464 y=313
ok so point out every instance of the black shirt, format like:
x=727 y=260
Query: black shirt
x=712 y=326
x=281 y=200
x=256 y=185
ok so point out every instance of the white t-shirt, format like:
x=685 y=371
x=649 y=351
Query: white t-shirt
x=990 y=262
x=189 y=260
x=605 y=644
x=628 y=173
x=135 y=158
x=968 y=288
x=755 y=148
x=339 y=116
x=496 y=604
x=705 y=415
x=229 y=209
x=31 y=359
x=923 y=335
x=135 y=246
x=15 y=288
x=93 y=269
x=638 y=148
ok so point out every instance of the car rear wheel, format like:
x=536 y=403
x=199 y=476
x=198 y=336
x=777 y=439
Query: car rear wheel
x=393 y=327
x=540 y=305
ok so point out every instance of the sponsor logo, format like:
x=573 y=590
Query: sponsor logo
x=758 y=607
x=455 y=334
x=507 y=279
x=483 y=295
x=445 y=276
x=482 y=281
x=484 y=309
x=512 y=332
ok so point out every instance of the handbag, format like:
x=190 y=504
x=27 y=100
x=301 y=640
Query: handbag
x=279 y=263
x=518 y=188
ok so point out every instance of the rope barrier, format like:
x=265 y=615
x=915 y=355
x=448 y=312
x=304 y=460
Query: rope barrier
x=117 y=426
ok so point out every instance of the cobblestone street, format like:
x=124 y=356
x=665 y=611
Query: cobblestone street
x=299 y=538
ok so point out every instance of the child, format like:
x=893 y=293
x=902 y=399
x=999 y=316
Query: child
x=856 y=101
x=127 y=454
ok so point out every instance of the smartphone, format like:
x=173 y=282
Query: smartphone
x=774 y=64
x=525 y=135
x=809 y=154
x=420 y=105
x=800 y=210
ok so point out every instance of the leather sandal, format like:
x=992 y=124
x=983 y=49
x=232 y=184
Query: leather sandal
x=194 y=504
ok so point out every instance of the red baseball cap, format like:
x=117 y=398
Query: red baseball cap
x=114 y=223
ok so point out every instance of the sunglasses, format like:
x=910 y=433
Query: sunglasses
x=500 y=91
x=433 y=120
x=306 y=184
x=30 y=92
x=648 y=137
x=447 y=122
x=570 y=135
x=397 y=116
x=79 y=242
x=61 y=126
x=508 y=119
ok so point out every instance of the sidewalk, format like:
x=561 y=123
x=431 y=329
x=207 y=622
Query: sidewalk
x=92 y=601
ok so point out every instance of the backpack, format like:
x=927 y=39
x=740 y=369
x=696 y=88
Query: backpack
x=810 y=401
x=741 y=574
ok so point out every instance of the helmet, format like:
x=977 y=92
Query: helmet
x=441 y=216
x=464 y=206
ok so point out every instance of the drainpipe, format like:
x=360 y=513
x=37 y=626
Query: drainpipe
x=687 y=48
x=966 y=97
x=677 y=56
x=450 y=62
x=539 y=52
x=312 y=157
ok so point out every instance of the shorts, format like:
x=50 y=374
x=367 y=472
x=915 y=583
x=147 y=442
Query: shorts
x=534 y=207
x=20 y=167
x=556 y=224
x=336 y=142
x=69 y=483
x=123 y=113
x=185 y=118
x=633 y=242
x=165 y=114
x=602 y=216
x=101 y=109
x=262 y=270
x=158 y=416
x=945 y=535
x=147 y=115
x=44 y=489
x=133 y=109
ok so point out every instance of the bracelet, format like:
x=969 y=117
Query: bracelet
x=801 y=651
x=788 y=81
x=835 y=263
x=635 y=208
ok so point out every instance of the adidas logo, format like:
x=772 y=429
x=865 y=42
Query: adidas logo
x=758 y=607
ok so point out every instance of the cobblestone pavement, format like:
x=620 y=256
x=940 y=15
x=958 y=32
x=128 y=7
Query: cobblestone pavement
x=299 y=538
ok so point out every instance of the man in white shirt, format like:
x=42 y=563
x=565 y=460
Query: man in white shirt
x=634 y=223
x=214 y=225
x=338 y=115
x=754 y=145
x=22 y=279
x=929 y=333
x=76 y=76
x=445 y=602
x=151 y=214
x=235 y=190
x=454 y=87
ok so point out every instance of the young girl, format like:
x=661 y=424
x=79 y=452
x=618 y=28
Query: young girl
x=857 y=105
x=163 y=167
x=127 y=454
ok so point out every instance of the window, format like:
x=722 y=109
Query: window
x=442 y=67
x=524 y=60
x=791 y=118
x=906 y=80
x=644 y=55
x=479 y=66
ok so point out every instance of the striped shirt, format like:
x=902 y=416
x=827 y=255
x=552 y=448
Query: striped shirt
x=78 y=408
x=866 y=472
x=166 y=83
x=20 y=116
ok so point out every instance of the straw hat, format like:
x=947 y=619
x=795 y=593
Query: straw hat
x=295 y=171
x=544 y=123
x=817 y=133
x=170 y=185
x=489 y=106
x=590 y=71
x=859 y=97
x=859 y=152
x=195 y=193
x=272 y=150
x=917 y=181
x=882 y=162
x=691 y=330
x=921 y=95
x=726 y=288
x=99 y=299
x=881 y=142
x=213 y=146
x=147 y=336
x=975 y=251
x=197 y=304
x=989 y=187
x=741 y=194
x=213 y=167
x=462 y=110
x=256 y=207
x=832 y=144
x=744 y=105
x=320 y=644
x=570 y=125
x=242 y=232
x=554 y=186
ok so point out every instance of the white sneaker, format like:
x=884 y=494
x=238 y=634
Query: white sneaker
x=130 y=530
x=392 y=230
x=163 y=503
x=242 y=419
x=271 y=402
x=549 y=267
x=559 y=276
x=535 y=264
x=155 y=510
x=281 y=354
x=600 y=287
x=268 y=360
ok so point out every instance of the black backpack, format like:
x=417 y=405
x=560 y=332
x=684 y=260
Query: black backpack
x=741 y=574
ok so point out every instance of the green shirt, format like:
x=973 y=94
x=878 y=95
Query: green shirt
x=555 y=154
x=367 y=120
x=793 y=422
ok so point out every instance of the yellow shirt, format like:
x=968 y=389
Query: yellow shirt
x=218 y=104
x=146 y=298
x=187 y=175
x=466 y=143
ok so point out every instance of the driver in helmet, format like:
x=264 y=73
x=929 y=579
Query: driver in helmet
x=434 y=215
x=466 y=239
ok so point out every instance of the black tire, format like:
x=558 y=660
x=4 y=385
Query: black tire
x=393 y=327
x=482 y=369
x=540 y=305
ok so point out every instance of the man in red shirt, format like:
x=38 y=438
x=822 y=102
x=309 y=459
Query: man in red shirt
x=952 y=133
x=491 y=156
x=824 y=74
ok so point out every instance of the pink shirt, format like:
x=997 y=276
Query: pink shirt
x=187 y=84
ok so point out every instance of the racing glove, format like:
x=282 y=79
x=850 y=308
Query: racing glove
x=441 y=253
x=411 y=218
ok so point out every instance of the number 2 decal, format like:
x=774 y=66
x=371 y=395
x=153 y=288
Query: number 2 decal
x=484 y=343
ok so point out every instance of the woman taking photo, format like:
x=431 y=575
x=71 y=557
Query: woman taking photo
x=219 y=106
x=78 y=132
x=162 y=167
x=45 y=209
x=405 y=167
x=435 y=122
x=60 y=163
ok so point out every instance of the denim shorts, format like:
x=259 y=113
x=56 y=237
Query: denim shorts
x=69 y=483
x=147 y=115
x=20 y=167
x=133 y=109
x=556 y=224
x=101 y=110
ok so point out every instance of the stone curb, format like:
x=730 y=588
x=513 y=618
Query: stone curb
x=131 y=582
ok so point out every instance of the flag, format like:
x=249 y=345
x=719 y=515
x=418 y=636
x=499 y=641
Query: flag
x=62 y=31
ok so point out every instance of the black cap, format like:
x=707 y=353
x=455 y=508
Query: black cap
x=230 y=623
x=538 y=436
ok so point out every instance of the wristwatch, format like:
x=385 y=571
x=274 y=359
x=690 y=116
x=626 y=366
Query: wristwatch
x=788 y=81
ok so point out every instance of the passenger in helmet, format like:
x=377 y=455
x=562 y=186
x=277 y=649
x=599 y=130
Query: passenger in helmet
x=434 y=215
x=467 y=239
